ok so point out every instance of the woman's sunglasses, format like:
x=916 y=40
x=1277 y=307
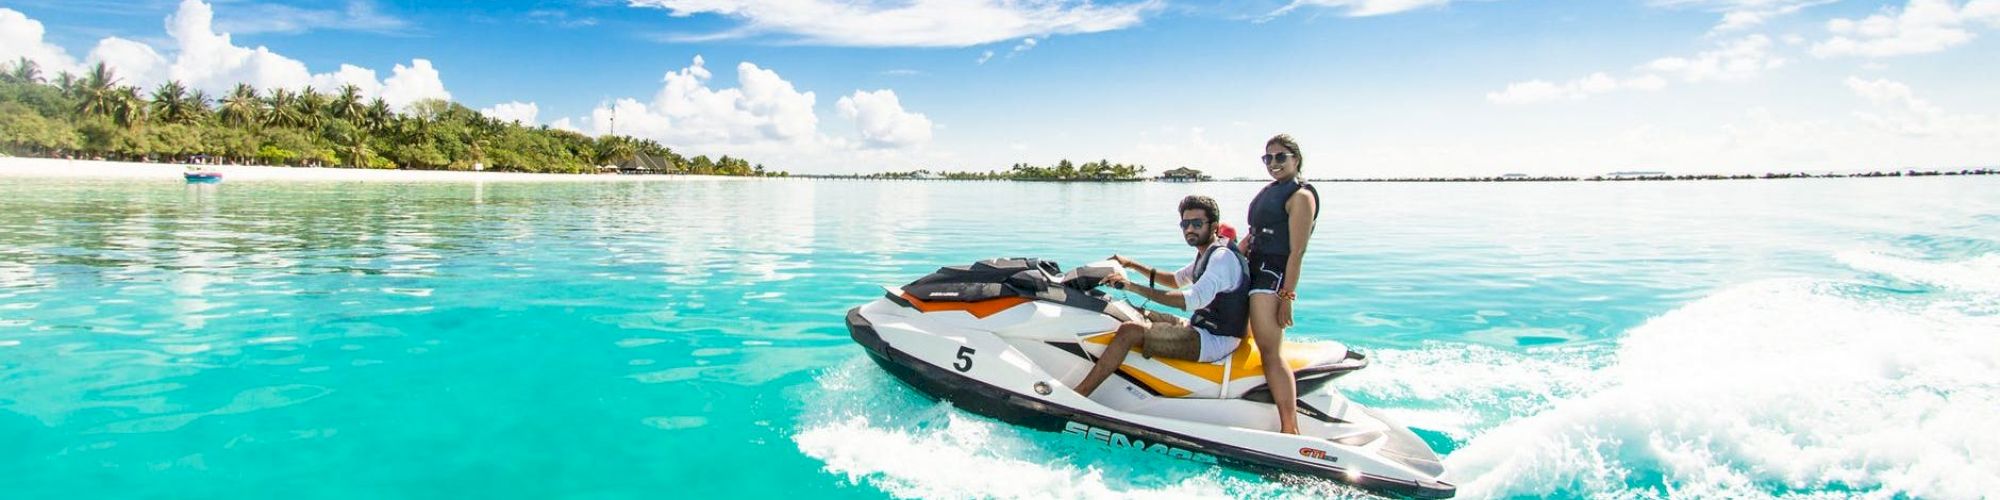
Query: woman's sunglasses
x=1277 y=158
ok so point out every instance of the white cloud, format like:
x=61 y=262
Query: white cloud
x=1897 y=109
x=1739 y=15
x=1920 y=27
x=686 y=112
x=1025 y=45
x=134 y=62
x=882 y=121
x=1885 y=126
x=21 y=36
x=208 y=60
x=360 y=15
x=413 y=83
x=983 y=57
x=1534 y=91
x=516 y=111
x=561 y=18
x=916 y=23
x=1734 y=60
x=348 y=74
x=1359 y=8
x=767 y=119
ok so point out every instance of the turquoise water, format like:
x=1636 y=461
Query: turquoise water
x=684 y=339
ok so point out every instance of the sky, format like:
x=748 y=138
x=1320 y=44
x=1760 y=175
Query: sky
x=1370 y=88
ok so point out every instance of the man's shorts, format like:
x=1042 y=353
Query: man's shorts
x=1172 y=337
x=1267 y=273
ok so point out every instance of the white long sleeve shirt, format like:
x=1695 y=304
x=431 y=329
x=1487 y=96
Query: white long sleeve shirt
x=1224 y=273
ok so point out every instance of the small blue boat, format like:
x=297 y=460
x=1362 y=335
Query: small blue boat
x=195 y=176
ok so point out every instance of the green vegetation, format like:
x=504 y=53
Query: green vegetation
x=1062 y=171
x=93 y=116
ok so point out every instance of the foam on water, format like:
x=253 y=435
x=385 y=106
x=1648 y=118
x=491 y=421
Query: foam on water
x=1456 y=388
x=1776 y=388
x=872 y=430
x=1976 y=275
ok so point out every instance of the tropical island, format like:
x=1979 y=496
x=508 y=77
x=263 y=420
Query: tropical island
x=1062 y=171
x=93 y=116
x=1098 y=172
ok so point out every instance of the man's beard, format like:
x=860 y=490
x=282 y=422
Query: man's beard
x=1201 y=241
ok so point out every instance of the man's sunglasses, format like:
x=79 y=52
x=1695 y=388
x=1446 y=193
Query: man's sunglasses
x=1277 y=158
x=1193 y=223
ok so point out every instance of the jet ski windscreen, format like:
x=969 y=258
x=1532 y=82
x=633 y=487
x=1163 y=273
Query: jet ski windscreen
x=1088 y=276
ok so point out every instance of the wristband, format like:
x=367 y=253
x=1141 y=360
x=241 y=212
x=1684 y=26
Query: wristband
x=1288 y=295
x=1119 y=285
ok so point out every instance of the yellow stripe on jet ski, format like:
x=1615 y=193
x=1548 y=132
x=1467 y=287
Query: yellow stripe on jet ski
x=1161 y=386
x=1247 y=363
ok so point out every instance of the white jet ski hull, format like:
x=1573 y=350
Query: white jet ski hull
x=1025 y=379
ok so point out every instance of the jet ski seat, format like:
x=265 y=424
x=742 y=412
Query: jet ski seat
x=1312 y=363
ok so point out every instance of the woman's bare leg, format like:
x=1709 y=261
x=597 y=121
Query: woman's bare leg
x=1270 y=340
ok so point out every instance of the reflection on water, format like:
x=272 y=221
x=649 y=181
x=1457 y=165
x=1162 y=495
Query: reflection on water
x=563 y=339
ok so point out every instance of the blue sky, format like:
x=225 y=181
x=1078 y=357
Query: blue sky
x=1370 y=87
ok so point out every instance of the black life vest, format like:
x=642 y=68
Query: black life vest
x=1228 y=314
x=1270 y=224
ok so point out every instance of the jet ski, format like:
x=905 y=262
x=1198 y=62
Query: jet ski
x=1008 y=338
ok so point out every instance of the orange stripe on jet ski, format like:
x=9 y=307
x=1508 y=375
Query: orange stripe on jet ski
x=980 y=309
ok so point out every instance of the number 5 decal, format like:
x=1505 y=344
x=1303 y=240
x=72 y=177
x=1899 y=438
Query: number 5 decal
x=964 y=363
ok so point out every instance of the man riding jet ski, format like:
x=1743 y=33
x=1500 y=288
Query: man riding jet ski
x=1008 y=338
x=1217 y=290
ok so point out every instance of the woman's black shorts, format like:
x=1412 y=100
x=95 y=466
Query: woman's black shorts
x=1267 y=273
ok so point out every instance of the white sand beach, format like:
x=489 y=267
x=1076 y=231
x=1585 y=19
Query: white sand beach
x=17 y=167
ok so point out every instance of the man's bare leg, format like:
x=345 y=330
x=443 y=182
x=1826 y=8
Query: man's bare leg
x=1129 y=335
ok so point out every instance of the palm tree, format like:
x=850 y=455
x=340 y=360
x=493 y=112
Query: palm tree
x=378 y=117
x=615 y=150
x=242 y=108
x=312 y=108
x=25 y=71
x=68 y=83
x=128 y=108
x=199 y=100
x=97 y=95
x=354 y=146
x=100 y=76
x=347 y=104
x=171 y=103
x=282 y=109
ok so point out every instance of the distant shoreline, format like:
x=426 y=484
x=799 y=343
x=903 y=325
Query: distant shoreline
x=1599 y=178
x=25 y=167
x=1682 y=177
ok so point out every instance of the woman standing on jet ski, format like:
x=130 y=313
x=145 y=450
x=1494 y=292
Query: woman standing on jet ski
x=1281 y=222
